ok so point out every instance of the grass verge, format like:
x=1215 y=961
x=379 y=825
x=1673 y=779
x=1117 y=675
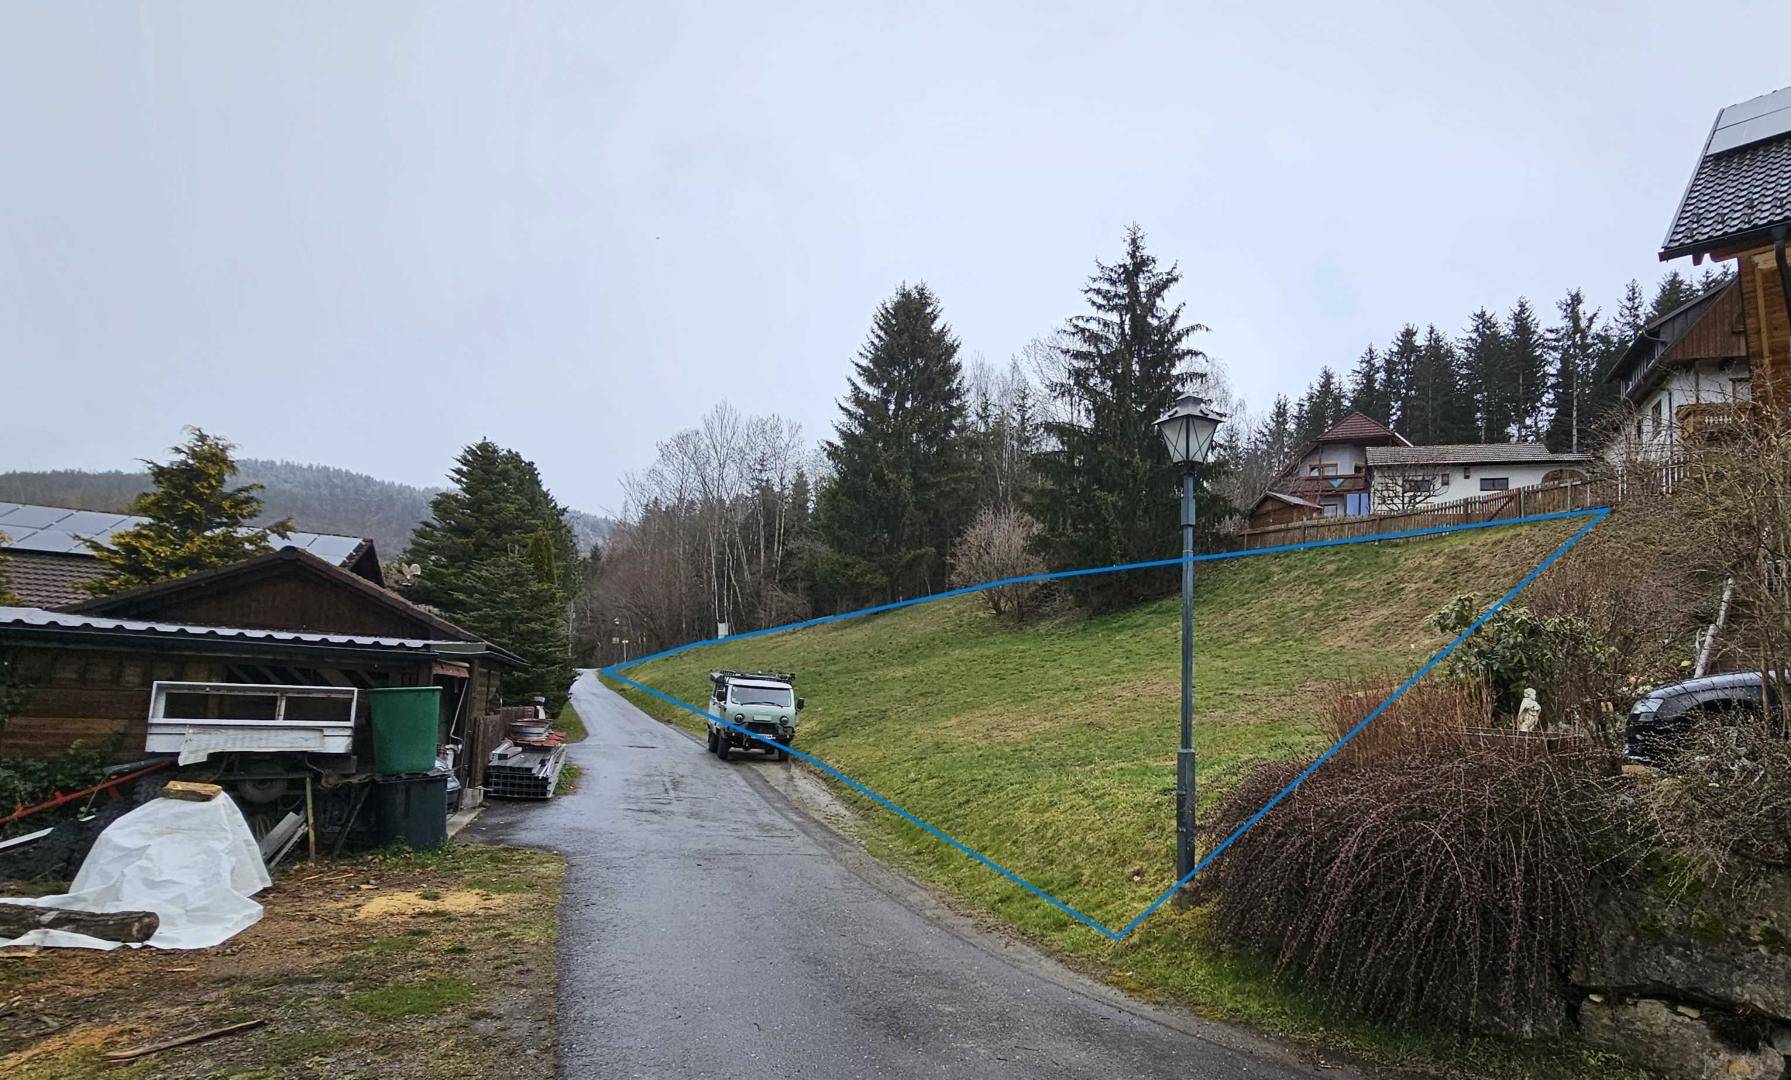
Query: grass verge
x=572 y=724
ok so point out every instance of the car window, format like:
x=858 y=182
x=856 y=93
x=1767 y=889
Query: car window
x=776 y=696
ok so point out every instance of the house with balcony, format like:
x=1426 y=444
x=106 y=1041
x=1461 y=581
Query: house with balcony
x=1329 y=478
x=1686 y=373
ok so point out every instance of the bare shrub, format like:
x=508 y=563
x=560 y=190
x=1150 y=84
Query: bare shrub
x=997 y=546
x=1733 y=510
x=1447 y=885
x=1435 y=715
x=1722 y=805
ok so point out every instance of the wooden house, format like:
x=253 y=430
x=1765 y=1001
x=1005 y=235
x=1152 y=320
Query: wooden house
x=1737 y=207
x=287 y=618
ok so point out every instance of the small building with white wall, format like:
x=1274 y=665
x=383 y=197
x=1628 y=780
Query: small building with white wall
x=1403 y=478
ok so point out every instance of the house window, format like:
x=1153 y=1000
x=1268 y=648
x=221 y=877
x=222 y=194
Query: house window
x=1494 y=483
x=1333 y=509
x=1741 y=389
x=1329 y=468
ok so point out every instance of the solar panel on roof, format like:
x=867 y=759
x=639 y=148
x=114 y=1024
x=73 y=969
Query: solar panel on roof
x=1764 y=117
x=53 y=541
x=33 y=517
x=332 y=548
x=59 y=529
x=89 y=522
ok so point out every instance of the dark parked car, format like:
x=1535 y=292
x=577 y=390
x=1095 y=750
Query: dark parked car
x=1662 y=716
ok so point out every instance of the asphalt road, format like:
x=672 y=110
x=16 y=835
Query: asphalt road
x=713 y=928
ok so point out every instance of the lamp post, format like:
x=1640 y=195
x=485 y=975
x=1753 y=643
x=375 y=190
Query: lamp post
x=1187 y=430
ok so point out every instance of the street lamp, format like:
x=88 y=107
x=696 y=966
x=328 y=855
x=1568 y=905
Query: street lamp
x=1187 y=429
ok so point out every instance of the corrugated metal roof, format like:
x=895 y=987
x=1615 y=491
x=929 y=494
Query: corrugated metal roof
x=39 y=618
x=59 y=530
x=1743 y=181
x=1468 y=454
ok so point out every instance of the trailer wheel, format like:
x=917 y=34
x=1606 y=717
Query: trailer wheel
x=723 y=747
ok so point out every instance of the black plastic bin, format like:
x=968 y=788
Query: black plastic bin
x=411 y=810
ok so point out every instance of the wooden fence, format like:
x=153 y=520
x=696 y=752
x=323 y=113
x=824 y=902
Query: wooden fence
x=1497 y=506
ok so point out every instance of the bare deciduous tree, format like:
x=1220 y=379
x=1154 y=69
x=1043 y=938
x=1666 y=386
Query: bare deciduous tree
x=997 y=547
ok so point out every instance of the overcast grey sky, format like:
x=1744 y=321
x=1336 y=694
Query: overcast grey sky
x=364 y=234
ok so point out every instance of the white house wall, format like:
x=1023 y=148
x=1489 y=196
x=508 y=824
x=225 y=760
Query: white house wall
x=1653 y=431
x=1453 y=485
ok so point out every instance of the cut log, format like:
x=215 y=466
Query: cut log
x=190 y=791
x=126 y=926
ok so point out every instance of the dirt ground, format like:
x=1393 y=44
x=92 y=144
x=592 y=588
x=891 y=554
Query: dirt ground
x=390 y=965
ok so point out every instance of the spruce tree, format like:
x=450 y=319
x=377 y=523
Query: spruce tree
x=1324 y=405
x=1435 y=410
x=1367 y=387
x=1632 y=314
x=498 y=557
x=1110 y=492
x=511 y=596
x=1526 y=369
x=1574 y=343
x=1397 y=363
x=901 y=488
x=1275 y=436
x=1483 y=366
x=197 y=521
x=1673 y=291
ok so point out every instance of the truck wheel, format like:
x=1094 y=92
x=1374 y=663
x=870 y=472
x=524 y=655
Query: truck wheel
x=723 y=748
x=711 y=746
x=782 y=754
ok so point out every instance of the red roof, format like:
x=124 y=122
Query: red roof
x=1357 y=428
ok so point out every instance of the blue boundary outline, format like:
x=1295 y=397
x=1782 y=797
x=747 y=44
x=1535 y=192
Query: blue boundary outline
x=1596 y=515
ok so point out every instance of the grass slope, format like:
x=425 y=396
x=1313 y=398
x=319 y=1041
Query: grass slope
x=1051 y=748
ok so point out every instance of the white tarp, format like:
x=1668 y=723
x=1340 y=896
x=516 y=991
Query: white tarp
x=195 y=864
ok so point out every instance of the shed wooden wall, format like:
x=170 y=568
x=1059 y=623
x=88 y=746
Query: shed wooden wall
x=1279 y=513
x=1718 y=334
x=89 y=695
x=74 y=696
x=1768 y=330
x=287 y=597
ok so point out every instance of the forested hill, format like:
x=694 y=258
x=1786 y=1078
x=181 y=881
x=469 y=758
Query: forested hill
x=318 y=498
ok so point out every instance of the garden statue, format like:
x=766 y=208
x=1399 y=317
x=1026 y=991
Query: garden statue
x=1529 y=714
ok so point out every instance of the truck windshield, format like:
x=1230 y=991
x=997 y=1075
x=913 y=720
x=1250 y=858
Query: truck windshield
x=778 y=696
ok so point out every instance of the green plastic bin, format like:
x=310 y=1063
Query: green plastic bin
x=405 y=720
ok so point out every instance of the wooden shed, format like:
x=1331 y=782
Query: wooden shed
x=286 y=618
